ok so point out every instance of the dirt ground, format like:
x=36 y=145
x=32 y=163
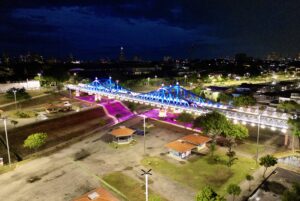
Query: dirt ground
x=60 y=177
x=58 y=130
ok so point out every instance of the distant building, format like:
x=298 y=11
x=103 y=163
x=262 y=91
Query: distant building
x=273 y=56
x=167 y=59
x=122 y=55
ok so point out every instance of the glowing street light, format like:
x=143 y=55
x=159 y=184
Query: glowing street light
x=15 y=96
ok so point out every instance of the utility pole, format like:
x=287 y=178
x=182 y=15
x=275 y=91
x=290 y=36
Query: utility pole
x=144 y=116
x=257 y=139
x=146 y=173
x=6 y=136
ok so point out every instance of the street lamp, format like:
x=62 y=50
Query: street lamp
x=185 y=78
x=39 y=74
x=148 y=81
x=117 y=82
x=257 y=138
x=15 y=96
x=293 y=143
x=6 y=136
x=144 y=116
x=146 y=173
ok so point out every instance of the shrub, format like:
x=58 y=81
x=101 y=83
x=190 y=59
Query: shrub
x=36 y=140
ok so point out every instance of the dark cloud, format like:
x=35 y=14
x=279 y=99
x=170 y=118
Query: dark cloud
x=223 y=26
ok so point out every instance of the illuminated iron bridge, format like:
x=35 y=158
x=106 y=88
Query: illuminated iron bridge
x=178 y=98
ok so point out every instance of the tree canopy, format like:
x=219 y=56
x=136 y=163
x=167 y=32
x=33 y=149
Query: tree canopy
x=267 y=161
x=234 y=190
x=224 y=98
x=208 y=194
x=295 y=127
x=35 y=140
x=244 y=100
x=236 y=131
x=185 y=117
x=289 y=106
x=292 y=194
x=213 y=123
x=20 y=93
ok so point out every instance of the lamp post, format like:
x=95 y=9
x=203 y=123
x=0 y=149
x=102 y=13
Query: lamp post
x=117 y=82
x=146 y=173
x=185 y=79
x=144 y=116
x=39 y=74
x=148 y=81
x=293 y=143
x=15 y=96
x=257 y=138
x=6 y=136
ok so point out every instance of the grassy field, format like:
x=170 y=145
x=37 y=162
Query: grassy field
x=4 y=99
x=249 y=148
x=133 y=189
x=201 y=172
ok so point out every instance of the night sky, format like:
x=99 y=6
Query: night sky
x=150 y=29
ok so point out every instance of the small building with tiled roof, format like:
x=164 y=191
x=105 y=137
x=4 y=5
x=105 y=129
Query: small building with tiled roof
x=196 y=139
x=122 y=135
x=180 y=149
x=99 y=194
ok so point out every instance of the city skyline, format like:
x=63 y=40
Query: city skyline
x=149 y=29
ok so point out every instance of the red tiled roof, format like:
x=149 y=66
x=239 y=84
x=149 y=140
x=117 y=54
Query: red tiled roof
x=104 y=195
x=180 y=146
x=195 y=139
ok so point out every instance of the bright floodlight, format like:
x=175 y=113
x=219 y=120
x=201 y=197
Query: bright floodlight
x=244 y=123
x=235 y=121
x=283 y=130
x=273 y=128
x=253 y=124
x=263 y=126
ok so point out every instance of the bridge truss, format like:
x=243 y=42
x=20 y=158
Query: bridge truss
x=177 y=97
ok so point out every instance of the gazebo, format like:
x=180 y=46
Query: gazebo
x=122 y=135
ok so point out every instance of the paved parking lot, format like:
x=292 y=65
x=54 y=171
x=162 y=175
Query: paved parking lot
x=58 y=177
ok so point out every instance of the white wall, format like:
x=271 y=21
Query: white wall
x=28 y=85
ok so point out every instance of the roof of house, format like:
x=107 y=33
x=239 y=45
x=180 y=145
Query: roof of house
x=99 y=194
x=122 y=132
x=180 y=146
x=195 y=139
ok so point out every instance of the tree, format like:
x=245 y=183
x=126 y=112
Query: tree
x=185 y=117
x=267 y=161
x=292 y=194
x=224 y=98
x=36 y=140
x=295 y=127
x=289 y=106
x=249 y=178
x=20 y=93
x=132 y=106
x=214 y=124
x=208 y=194
x=14 y=122
x=231 y=157
x=233 y=190
x=235 y=132
x=244 y=100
